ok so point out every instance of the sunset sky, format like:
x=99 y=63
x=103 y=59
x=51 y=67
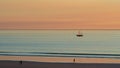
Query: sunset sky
x=59 y=14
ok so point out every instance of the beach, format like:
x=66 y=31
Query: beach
x=15 y=64
x=57 y=62
x=60 y=59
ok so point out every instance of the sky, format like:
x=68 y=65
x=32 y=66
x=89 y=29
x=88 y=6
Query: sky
x=59 y=14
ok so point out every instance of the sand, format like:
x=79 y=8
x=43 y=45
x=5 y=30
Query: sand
x=26 y=64
x=60 y=59
x=57 y=62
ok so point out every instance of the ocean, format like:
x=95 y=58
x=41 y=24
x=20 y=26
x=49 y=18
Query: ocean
x=60 y=43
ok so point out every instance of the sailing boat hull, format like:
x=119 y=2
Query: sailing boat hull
x=79 y=35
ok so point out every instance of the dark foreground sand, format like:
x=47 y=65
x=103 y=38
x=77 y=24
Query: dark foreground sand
x=27 y=64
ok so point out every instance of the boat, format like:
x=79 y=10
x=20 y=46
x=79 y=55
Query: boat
x=79 y=34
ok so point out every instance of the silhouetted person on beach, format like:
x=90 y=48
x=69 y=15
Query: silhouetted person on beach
x=20 y=62
x=74 y=60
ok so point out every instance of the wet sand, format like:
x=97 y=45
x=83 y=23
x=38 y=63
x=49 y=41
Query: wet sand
x=57 y=62
x=60 y=59
x=29 y=64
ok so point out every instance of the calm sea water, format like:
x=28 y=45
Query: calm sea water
x=64 y=43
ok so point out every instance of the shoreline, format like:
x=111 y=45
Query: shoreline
x=59 y=59
x=29 y=64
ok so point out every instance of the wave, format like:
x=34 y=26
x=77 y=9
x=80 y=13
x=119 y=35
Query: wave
x=53 y=54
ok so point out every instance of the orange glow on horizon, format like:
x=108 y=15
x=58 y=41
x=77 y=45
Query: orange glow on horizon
x=63 y=14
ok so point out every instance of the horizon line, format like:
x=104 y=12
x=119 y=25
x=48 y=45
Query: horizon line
x=59 y=29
